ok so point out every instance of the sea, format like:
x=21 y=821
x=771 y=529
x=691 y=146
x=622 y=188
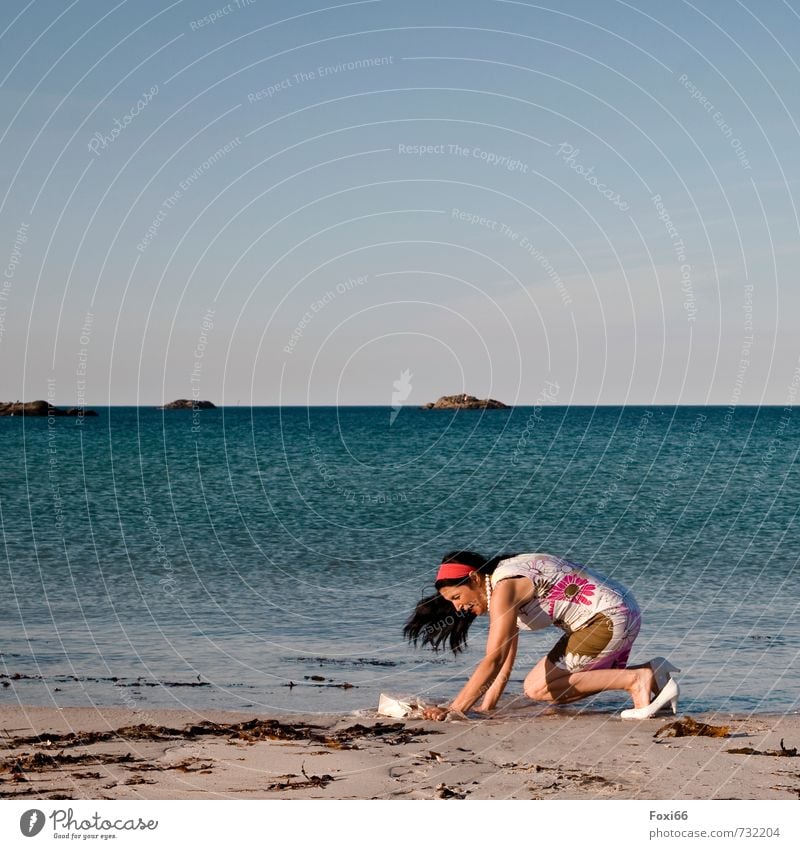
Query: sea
x=265 y=559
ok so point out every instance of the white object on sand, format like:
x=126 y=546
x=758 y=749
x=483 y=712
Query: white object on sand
x=404 y=707
x=390 y=706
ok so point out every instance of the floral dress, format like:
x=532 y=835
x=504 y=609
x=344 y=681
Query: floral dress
x=600 y=617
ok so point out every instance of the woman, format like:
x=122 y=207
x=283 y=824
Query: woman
x=600 y=619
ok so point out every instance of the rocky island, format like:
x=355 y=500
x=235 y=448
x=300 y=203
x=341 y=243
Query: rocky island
x=465 y=402
x=188 y=404
x=40 y=408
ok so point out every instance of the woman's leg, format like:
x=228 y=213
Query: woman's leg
x=654 y=688
x=593 y=659
x=550 y=683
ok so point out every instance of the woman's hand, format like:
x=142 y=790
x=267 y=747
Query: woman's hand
x=437 y=713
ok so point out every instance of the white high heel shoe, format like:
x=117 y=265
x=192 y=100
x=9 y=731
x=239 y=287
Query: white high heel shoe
x=669 y=693
x=662 y=670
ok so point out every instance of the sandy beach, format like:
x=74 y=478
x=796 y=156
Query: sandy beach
x=528 y=753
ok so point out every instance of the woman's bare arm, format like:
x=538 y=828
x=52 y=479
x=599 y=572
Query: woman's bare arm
x=499 y=684
x=501 y=644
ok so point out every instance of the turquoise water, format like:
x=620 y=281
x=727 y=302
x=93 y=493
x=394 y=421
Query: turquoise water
x=239 y=549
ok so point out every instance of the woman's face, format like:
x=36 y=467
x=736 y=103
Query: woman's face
x=467 y=597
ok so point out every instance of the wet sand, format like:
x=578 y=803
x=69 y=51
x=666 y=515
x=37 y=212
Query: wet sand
x=530 y=753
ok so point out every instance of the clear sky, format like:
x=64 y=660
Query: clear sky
x=297 y=202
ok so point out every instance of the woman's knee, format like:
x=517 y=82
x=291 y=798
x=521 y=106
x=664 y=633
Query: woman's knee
x=535 y=687
x=539 y=693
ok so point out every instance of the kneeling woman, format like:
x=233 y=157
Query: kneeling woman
x=600 y=619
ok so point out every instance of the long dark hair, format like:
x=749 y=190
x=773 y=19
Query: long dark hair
x=435 y=620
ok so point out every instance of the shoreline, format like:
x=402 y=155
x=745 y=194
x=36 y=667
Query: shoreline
x=536 y=753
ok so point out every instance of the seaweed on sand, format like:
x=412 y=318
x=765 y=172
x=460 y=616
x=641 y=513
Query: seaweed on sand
x=308 y=781
x=688 y=727
x=783 y=752
x=251 y=731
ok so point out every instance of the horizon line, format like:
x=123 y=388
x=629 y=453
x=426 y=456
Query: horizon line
x=90 y=405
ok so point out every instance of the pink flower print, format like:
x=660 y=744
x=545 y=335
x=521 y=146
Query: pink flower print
x=571 y=588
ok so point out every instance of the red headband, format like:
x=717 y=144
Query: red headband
x=454 y=570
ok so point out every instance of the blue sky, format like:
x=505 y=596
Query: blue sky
x=296 y=202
